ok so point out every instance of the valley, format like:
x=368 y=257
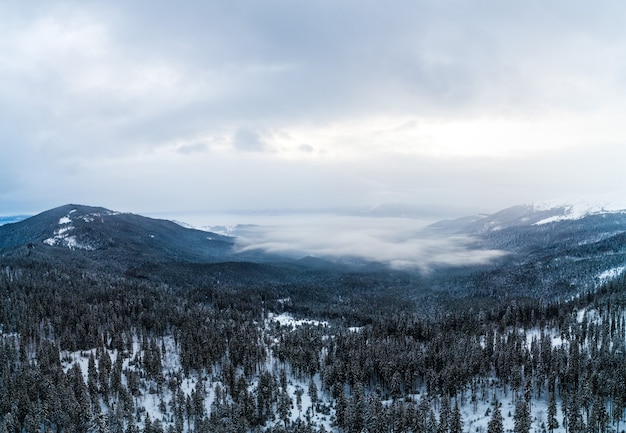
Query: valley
x=119 y=323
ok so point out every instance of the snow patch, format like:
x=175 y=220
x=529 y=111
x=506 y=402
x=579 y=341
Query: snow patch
x=575 y=211
x=285 y=319
x=91 y=217
x=536 y=334
x=62 y=236
x=610 y=274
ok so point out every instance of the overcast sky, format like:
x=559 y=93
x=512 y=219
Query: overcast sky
x=160 y=106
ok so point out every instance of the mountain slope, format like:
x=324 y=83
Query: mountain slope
x=553 y=251
x=96 y=230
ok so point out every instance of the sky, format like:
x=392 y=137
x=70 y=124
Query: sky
x=204 y=106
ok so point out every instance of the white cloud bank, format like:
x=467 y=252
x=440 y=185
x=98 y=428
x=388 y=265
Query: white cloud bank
x=398 y=242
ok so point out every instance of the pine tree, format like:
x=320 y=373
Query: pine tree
x=456 y=422
x=284 y=407
x=376 y=416
x=80 y=413
x=574 y=417
x=299 y=392
x=395 y=385
x=147 y=426
x=521 y=417
x=104 y=373
x=552 y=421
x=444 y=416
x=313 y=392
x=495 y=423
x=99 y=424
x=421 y=415
x=92 y=378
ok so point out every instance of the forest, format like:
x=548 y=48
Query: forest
x=93 y=352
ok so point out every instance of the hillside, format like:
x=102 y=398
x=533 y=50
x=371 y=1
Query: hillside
x=81 y=353
x=553 y=252
x=92 y=229
x=115 y=322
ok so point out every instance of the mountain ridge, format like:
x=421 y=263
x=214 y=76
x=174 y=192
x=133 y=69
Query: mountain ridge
x=92 y=229
x=560 y=257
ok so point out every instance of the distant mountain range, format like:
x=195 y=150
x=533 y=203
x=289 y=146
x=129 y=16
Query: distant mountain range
x=551 y=250
x=8 y=219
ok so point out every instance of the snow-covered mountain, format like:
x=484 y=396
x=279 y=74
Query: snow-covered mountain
x=185 y=340
x=554 y=250
x=103 y=234
x=527 y=215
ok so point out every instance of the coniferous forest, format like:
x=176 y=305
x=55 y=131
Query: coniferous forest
x=83 y=352
x=119 y=323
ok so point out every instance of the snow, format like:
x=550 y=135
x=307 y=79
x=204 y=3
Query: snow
x=610 y=274
x=285 y=319
x=475 y=409
x=63 y=230
x=477 y=420
x=535 y=334
x=576 y=211
x=148 y=403
x=227 y=230
x=62 y=235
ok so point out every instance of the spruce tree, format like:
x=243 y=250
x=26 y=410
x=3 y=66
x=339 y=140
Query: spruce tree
x=92 y=379
x=521 y=417
x=313 y=392
x=284 y=407
x=456 y=421
x=444 y=416
x=495 y=423
x=552 y=421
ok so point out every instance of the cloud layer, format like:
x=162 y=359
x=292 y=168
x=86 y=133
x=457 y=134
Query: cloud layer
x=283 y=104
x=398 y=242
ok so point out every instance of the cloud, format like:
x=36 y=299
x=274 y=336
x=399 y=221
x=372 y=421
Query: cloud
x=424 y=102
x=399 y=243
x=189 y=149
x=248 y=140
x=306 y=148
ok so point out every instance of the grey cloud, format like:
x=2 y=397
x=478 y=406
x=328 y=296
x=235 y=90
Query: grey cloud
x=192 y=148
x=275 y=62
x=248 y=140
x=307 y=148
x=111 y=81
x=282 y=60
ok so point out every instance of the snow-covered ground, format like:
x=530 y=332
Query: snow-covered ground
x=285 y=319
x=475 y=409
x=63 y=237
x=150 y=403
x=610 y=274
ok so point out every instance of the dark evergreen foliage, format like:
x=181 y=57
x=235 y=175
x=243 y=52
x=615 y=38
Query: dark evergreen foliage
x=420 y=360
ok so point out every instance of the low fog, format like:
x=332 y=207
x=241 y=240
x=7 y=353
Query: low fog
x=401 y=243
